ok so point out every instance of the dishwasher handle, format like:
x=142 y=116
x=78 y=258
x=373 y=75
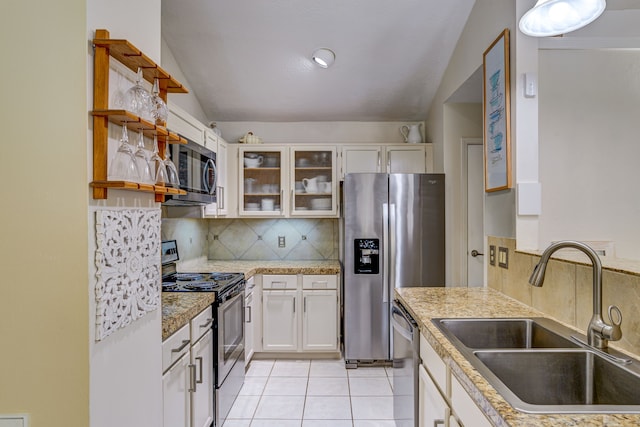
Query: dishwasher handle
x=403 y=324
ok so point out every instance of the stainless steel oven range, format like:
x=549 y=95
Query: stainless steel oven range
x=228 y=325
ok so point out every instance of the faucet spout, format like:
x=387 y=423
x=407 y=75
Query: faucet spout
x=598 y=332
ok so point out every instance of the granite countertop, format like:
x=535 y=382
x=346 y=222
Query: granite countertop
x=178 y=308
x=427 y=303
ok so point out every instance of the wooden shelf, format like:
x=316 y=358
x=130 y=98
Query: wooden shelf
x=132 y=57
x=137 y=124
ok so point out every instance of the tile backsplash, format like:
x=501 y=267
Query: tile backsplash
x=251 y=239
x=567 y=293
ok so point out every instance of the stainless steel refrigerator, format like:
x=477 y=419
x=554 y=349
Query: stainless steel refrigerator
x=393 y=238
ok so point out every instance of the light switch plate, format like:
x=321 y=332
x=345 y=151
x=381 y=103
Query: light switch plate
x=281 y=242
x=503 y=257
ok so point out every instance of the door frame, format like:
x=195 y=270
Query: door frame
x=464 y=143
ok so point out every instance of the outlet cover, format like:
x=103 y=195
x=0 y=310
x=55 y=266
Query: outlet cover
x=492 y=255
x=281 y=242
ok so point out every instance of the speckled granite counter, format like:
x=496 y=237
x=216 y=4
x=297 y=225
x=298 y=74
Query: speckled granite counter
x=427 y=303
x=249 y=268
x=179 y=307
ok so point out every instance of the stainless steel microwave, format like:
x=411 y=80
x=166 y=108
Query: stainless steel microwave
x=198 y=174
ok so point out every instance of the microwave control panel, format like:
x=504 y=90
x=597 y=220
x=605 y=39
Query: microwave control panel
x=367 y=256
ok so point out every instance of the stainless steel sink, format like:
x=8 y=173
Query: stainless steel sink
x=563 y=380
x=536 y=366
x=504 y=333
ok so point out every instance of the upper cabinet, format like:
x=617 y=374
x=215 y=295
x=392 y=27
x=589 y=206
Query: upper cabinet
x=313 y=174
x=399 y=158
x=262 y=180
x=132 y=58
x=183 y=123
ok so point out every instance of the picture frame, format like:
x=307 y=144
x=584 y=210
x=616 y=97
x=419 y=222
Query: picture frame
x=496 y=110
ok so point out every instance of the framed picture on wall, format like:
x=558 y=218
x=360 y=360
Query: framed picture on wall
x=496 y=114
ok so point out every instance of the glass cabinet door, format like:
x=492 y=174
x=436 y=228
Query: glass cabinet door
x=314 y=181
x=261 y=181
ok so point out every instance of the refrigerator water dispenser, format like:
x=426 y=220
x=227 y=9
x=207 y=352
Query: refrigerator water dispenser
x=367 y=256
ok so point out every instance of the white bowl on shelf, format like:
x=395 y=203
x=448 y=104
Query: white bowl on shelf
x=321 y=204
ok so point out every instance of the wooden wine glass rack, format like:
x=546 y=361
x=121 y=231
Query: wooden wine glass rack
x=132 y=58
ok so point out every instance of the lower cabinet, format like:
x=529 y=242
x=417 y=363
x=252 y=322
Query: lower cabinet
x=188 y=379
x=442 y=399
x=300 y=313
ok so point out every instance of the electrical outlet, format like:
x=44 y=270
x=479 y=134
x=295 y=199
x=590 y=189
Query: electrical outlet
x=281 y=242
x=492 y=255
x=503 y=257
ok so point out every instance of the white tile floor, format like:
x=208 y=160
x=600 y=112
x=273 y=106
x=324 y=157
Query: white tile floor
x=313 y=393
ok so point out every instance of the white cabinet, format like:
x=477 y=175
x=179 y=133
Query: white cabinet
x=279 y=320
x=175 y=394
x=433 y=409
x=406 y=158
x=183 y=123
x=188 y=379
x=442 y=399
x=319 y=320
x=262 y=180
x=220 y=147
x=300 y=313
x=400 y=158
x=313 y=181
x=203 y=392
x=250 y=319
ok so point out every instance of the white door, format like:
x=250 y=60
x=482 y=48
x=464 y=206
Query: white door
x=475 y=215
x=203 y=396
x=279 y=321
x=320 y=320
x=365 y=159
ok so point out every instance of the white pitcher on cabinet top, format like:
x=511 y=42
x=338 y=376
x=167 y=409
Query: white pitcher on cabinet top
x=411 y=133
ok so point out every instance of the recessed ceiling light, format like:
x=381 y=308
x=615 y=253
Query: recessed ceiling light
x=323 y=57
x=554 y=17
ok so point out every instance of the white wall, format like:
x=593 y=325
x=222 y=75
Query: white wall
x=486 y=21
x=187 y=101
x=589 y=147
x=126 y=367
x=316 y=132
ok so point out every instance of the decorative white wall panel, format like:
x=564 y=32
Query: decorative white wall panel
x=128 y=267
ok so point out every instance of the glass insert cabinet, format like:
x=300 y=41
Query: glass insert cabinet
x=287 y=181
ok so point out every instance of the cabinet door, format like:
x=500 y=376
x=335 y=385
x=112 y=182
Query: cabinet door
x=464 y=408
x=248 y=325
x=313 y=181
x=320 y=320
x=203 y=396
x=262 y=183
x=181 y=122
x=175 y=394
x=279 y=320
x=361 y=159
x=221 y=191
x=433 y=409
x=406 y=159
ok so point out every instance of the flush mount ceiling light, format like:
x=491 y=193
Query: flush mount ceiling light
x=323 y=57
x=554 y=17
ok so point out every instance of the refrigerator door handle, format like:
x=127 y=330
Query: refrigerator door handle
x=385 y=253
x=391 y=257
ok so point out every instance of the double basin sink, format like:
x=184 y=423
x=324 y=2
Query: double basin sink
x=538 y=368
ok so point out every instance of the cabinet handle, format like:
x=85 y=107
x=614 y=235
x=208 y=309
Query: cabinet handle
x=304 y=304
x=292 y=201
x=436 y=423
x=192 y=378
x=249 y=316
x=379 y=160
x=199 y=381
x=206 y=325
x=389 y=162
x=179 y=349
x=294 y=305
x=281 y=201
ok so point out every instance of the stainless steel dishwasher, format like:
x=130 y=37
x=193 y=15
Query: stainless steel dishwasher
x=406 y=358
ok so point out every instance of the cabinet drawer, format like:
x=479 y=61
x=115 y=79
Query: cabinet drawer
x=174 y=347
x=434 y=364
x=316 y=281
x=201 y=324
x=285 y=281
